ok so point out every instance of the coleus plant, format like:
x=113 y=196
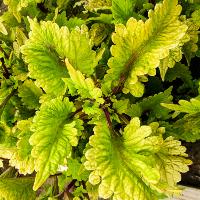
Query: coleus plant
x=87 y=94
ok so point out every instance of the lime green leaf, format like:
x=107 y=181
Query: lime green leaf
x=54 y=135
x=104 y=18
x=92 y=191
x=15 y=6
x=175 y=55
x=187 y=44
x=139 y=46
x=20 y=71
x=77 y=170
x=78 y=193
x=62 y=3
x=7 y=138
x=48 y=46
x=180 y=71
x=121 y=106
x=122 y=10
x=152 y=106
x=191 y=46
x=3 y=29
x=121 y=165
x=171 y=162
x=42 y=55
x=72 y=23
x=98 y=33
x=196 y=17
x=5 y=89
x=187 y=128
x=22 y=158
x=30 y=94
x=85 y=86
x=17 y=188
x=94 y=5
x=191 y=107
x=92 y=109
x=7 y=141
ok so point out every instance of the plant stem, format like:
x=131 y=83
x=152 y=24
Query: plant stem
x=107 y=114
x=6 y=100
x=6 y=73
x=124 y=74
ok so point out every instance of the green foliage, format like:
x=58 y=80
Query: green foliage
x=125 y=169
x=15 y=6
x=191 y=107
x=46 y=64
x=186 y=128
x=152 y=105
x=53 y=128
x=93 y=5
x=142 y=55
x=180 y=71
x=85 y=87
x=122 y=10
x=77 y=80
x=13 y=189
x=30 y=94
x=22 y=159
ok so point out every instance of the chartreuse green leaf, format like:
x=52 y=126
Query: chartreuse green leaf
x=77 y=170
x=5 y=89
x=98 y=33
x=135 y=165
x=48 y=46
x=196 y=17
x=7 y=141
x=175 y=55
x=30 y=94
x=93 y=5
x=186 y=128
x=150 y=105
x=22 y=158
x=15 y=6
x=17 y=188
x=85 y=86
x=122 y=10
x=190 y=107
x=191 y=46
x=3 y=29
x=171 y=160
x=139 y=46
x=54 y=135
x=180 y=71
x=187 y=42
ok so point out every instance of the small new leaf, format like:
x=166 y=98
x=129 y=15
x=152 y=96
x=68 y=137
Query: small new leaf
x=30 y=94
x=85 y=86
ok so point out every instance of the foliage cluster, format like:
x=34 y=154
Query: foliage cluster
x=96 y=97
